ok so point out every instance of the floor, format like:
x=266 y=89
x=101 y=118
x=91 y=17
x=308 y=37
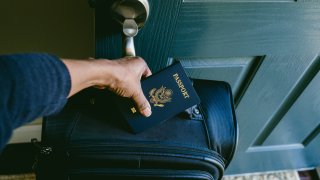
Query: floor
x=284 y=175
x=18 y=177
x=288 y=175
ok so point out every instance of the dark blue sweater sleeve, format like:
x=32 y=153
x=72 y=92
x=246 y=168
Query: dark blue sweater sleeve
x=31 y=85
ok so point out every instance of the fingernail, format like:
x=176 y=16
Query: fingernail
x=146 y=112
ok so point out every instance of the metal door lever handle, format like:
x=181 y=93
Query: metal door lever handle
x=130 y=29
x=132 y=15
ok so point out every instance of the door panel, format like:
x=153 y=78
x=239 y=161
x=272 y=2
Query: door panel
x=242 y=28
x=267 y=51
x=302 y=118
x=271 y=94
x=236 y=71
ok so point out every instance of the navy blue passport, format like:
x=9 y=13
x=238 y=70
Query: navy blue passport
x=168 y=91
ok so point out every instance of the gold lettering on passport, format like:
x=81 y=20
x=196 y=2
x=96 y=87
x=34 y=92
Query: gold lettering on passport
x=133 y=110
x=181 y=86
x=158 y=97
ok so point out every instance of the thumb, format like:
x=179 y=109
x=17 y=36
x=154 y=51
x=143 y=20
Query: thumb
x=142 y=103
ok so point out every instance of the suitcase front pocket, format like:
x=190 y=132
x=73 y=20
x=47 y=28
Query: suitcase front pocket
x=144 y=157
x=139 y=174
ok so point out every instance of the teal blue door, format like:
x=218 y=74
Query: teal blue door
x=266 y=49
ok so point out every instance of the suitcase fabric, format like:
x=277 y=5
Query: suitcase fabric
x=90 y=140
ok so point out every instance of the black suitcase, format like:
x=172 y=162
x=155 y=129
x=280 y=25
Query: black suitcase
x=90 y=140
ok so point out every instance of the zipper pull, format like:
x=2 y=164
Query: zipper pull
x=43 y=150
x=195 y=113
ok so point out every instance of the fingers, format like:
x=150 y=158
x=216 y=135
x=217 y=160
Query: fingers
x=147 y=72
x=134 y=68
x=142 y=103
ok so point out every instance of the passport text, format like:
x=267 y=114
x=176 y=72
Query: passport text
x=181 y=86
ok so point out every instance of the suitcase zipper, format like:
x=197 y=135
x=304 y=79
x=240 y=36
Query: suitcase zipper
x=146 y=150
x=146 y=172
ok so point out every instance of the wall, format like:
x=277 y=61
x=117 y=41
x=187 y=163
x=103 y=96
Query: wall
x=64 y=28
x=61 y=27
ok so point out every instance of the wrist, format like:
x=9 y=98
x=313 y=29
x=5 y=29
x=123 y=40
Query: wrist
x=83 y=74
x=104 y=73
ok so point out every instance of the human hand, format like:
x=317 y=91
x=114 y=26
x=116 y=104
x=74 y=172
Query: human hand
x=124 y=80
x=121 y=76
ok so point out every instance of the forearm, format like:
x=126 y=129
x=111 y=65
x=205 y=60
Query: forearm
x=87 y=73
x=82 y=74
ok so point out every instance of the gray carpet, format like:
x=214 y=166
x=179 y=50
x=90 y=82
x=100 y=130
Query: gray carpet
x=288 y=175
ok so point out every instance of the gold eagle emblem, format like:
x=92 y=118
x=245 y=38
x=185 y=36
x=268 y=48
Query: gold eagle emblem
x=160 y=96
